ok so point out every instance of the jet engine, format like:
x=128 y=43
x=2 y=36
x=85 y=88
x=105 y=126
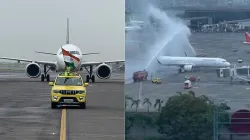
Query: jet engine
x=188 y=67
x=103 y=71
x=33 y=70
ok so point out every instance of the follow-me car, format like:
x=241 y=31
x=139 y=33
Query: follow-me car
x=68 y=90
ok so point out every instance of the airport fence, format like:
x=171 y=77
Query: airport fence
x=231 y=125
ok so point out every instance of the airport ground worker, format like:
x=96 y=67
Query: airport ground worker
x=198 y=79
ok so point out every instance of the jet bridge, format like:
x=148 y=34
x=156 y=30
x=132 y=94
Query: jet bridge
x=240 y=73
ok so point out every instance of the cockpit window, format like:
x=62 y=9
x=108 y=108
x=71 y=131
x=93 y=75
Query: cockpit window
x=224 y=61
x=72 y=52
x=75 y=52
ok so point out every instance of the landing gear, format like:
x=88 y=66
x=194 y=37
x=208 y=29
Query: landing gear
x=93 y=78
x=45 y=75
x=90 y=76
x=42 y=77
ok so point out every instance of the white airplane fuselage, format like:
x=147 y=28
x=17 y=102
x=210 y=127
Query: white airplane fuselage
x=60 y=64
x=194 y=61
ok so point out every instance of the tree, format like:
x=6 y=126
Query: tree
x=158 y=104
x=128 y=123
x=127 y=99
x=143 y=120
x=126 y=104
x=136 y=103
x=178 y=92
x=191 y=93
x=147 y=101
x=186 y=116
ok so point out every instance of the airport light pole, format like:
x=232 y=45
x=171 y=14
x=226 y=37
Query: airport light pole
x=215 y=121
x=140 y=92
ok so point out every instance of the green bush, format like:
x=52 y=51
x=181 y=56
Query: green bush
x=187 y=117
x=184 y=117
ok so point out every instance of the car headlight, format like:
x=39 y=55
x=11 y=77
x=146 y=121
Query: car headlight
x=55 y=97
x=81 y=91
x=56 y=91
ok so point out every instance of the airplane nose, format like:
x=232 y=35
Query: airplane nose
x=228 y=64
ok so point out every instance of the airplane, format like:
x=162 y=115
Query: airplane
x=247 y=36
x=33 y=69
x=188 y=63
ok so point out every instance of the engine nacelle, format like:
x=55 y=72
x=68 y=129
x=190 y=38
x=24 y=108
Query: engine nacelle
x=103 y=71
x=188 y=67
x=33 y=70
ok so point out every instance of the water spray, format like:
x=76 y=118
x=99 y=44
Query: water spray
x=169 y=38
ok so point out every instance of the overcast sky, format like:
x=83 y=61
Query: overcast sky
x=29 y=25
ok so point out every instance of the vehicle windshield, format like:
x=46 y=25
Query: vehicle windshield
x=72 y=81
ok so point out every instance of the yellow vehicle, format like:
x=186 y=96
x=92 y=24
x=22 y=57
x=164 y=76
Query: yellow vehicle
x=156 y=80
x=68 y=90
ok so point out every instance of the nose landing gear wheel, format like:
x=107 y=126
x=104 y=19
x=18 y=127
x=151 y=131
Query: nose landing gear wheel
x=42 y=77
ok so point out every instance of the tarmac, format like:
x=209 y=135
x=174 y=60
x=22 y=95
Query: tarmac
x=26 y=114
x=236 y=95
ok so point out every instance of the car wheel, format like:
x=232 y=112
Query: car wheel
x=83 y=106
x=53 y=105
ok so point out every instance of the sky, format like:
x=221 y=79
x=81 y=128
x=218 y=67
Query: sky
x=40 y=25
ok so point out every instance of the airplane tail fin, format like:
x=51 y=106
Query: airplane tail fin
x=247 y=36
x=67 y=37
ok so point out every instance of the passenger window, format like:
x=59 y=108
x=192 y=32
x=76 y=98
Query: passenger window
x=73 y=52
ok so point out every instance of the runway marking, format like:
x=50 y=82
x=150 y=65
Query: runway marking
x=63 y=125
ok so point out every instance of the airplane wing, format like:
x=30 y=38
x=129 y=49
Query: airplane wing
x=97 y=63
x=46 y=53
x=49 y=63
x=90 y=53
x=55 y=53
